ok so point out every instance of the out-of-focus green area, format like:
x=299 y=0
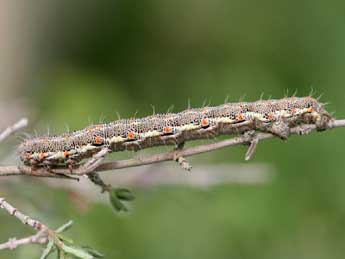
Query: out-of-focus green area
x=95 y=58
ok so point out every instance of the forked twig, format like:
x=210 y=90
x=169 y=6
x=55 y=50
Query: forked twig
x=40 y=237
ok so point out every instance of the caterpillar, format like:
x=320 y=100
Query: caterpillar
x=274 y=116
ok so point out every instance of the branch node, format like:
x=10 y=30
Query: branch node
x=251 y=148
x=1 y=201
x=251 y=139
x=303 y=130
x=12 y=243
x=182 y=162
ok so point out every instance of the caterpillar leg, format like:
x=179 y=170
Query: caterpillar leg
x=322 y=121
x=70 y=163
x=280 y=129
x=179 y=146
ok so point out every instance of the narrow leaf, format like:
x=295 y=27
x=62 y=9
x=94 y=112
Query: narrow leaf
x=76 y=251
x=93 y=252
x=47 y=250
x=65 y=227
x=64 y=238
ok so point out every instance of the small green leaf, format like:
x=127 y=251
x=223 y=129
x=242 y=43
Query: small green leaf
x=76 y=251
x=64 y=238
x=93 y=252
x=117 y=204
x=124 y=194
x=47 y=250
x=70 y=256
x=65 y=227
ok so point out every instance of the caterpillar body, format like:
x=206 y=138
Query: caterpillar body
x=274 y=116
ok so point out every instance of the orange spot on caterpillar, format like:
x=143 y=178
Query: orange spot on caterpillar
x=27 y=155
x=100 y=126
x=204 y=122
x=130 y=135
x=42 y=155
x=270 y=116
x=66 y=154
x=293 y=110
x=310 y=109
x=98 y=140
x=239 y=117
x=166 y=129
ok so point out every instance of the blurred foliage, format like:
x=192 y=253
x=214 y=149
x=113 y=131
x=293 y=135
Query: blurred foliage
x=96 y=58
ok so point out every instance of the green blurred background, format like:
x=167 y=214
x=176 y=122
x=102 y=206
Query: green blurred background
x=76 y=62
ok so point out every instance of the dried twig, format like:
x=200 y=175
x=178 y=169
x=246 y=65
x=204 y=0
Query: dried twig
x=43 y=235
x=92 y=163
x=19 y=215
x=13 y=243
x=40 y=237
x=22 y=123
x=97 y=166
x=180 y=159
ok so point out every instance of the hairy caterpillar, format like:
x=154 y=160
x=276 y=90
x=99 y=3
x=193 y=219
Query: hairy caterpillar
x=274 y=116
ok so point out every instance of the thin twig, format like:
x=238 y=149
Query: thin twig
x=22 y=123
x=252 y=147
x=167 y=156
x=92 y=163
x=19 y=215
x=12 y=243
x=180 y=159
x=40 y=237
x=43 y=235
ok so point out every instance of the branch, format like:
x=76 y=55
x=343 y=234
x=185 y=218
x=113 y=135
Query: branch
x=43 y=235
x=40 y=237
x=19 y=215
x=245 y=139
x=13 y=243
